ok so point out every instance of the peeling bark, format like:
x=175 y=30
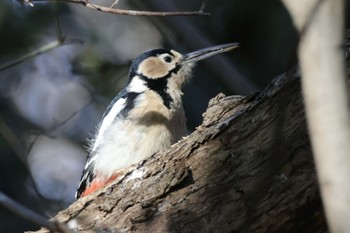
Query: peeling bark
x=247 y=168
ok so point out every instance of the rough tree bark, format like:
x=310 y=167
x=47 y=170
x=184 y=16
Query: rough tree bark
x=247 y=168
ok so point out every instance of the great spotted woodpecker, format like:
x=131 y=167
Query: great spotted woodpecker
x=145 y=117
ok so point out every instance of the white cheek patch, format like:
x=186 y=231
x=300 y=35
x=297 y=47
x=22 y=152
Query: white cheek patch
x=137 y=85
x=108 y=120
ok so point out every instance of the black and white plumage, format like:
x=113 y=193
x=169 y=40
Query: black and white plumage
x=145 y=117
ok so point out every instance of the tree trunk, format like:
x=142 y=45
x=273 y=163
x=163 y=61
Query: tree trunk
x=247 y=168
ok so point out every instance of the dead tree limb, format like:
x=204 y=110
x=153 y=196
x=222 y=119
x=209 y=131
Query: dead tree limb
x=321 y=27
x=247 y=168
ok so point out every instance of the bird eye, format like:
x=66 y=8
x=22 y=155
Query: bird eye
x=167 y=59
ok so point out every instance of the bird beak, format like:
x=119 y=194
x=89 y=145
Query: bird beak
x=207 y=52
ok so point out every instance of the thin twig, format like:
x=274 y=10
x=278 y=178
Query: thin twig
x=52 y=45
x=20 y=151
x=202 y=8
x=12 y=139
x=55 y=127
x=114 y=4
x=60 y=35
x=125 y=12
x=31 y=216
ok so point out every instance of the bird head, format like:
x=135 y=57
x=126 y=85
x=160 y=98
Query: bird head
x=166 y=70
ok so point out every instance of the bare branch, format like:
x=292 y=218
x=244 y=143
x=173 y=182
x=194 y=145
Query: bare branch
x=60 y=41
x=228 y=74
x=115 y=3
x=123 y=11
x=31 y=216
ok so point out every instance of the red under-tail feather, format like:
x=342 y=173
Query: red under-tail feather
x=96 y=184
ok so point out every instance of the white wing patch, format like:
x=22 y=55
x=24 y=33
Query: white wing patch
x=108 y=120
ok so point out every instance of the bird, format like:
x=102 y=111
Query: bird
x=147 y=116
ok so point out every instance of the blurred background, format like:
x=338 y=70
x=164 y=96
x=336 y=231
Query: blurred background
x=50 y=104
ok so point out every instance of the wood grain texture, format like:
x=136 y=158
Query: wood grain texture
x=247 y=168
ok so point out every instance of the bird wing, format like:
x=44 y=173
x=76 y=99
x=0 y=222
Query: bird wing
x=119 y=107
x=113 y=110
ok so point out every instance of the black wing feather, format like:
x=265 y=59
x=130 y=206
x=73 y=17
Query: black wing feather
x=88 y=173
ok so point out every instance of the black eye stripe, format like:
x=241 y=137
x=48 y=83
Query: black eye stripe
x=160 y=87
x=168 y=59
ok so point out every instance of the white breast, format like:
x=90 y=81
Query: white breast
x=149 y=128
